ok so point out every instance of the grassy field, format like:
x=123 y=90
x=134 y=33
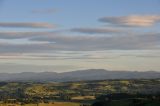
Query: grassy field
x=65 y=93
x=84 y=98
x=46 y=104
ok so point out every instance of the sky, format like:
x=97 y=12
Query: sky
x=69 y=35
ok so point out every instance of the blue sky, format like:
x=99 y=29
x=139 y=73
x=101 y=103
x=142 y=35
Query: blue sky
x=74 y=12
x=58 y=35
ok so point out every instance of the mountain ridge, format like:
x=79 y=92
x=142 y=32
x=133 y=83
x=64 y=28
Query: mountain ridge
x=79 y=75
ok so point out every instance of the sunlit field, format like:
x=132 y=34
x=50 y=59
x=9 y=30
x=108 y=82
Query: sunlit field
x=45 y=104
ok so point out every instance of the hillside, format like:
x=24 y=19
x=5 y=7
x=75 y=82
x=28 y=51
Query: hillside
x=81 y=75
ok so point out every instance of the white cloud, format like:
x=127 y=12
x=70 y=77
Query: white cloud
x=132 y=21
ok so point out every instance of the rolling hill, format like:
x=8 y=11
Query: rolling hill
x=81 y=75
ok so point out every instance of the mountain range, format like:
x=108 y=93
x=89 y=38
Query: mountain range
x=80 y=75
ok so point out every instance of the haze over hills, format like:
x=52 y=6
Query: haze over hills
x=81 y=75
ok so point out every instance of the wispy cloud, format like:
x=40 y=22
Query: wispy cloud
x=21 y=35
x=54 y=42
x=26 y=25
x=98 y=30
x=132 y=21
x=24 y=48
x=144 y=41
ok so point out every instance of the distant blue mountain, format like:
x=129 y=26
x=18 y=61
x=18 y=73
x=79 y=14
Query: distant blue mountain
x=81 y=75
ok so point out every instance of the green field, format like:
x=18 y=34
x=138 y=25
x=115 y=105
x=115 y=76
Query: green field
x=75 y=93
x=45 y=104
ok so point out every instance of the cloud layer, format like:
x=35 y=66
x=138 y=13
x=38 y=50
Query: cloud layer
x=124 y=39
x=144 y=41
x=55 y=41
x=132 y=21
x=26 y=25
x=21 y=35
x=98 y=30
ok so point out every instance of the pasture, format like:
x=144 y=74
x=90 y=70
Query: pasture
x=45 y=104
